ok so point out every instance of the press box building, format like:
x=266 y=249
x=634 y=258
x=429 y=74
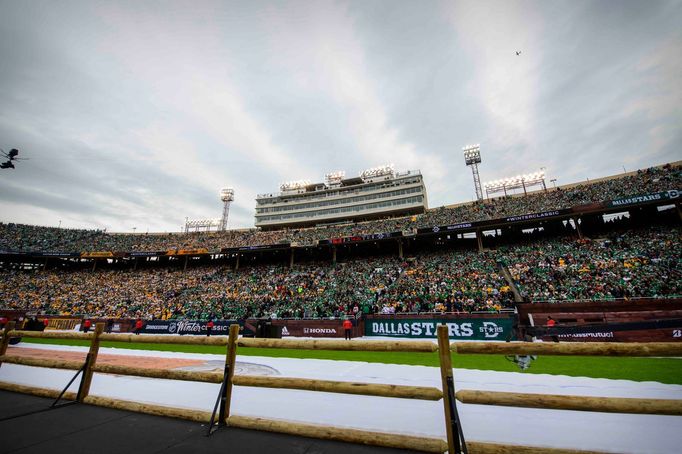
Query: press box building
x=377 y=193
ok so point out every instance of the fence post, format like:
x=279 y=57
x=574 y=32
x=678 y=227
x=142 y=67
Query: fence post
x=229 y=372
x=451 y=421
x=5 y=338
x=90 y=360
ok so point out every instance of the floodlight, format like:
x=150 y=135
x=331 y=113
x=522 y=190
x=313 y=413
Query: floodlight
x=472 y=158
x=334 y=177
x=227 y=194
x=198 y=224
x=377 y=171
x=472 y=154
x=338 y=174
x=291 y=185
x=521 y=181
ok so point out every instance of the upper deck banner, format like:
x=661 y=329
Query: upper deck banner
x=262 y=247
x=464 y=226
x=448 y=228
x=97 y=254
x=533 y=216
x=147 y=254
x=56 y=254
x=359 y=238
x=645 y=198
x=197 y=251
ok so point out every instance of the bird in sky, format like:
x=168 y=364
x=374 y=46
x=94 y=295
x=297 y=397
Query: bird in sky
x=518 y=52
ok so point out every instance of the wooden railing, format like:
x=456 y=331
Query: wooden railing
x=563 y=402
x=454 y=442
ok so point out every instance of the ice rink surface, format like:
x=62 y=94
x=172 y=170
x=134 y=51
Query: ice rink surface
x=566 y=429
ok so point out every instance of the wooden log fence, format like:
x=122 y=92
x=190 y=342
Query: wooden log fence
x=349 y=435
x=220 y=341
x=52 y=335
x=36 y=391
x=150 y=409
x=454 y=442
x=230 y=360
x=332 y=344
x=569 y=348
x=343 y=387
x=453 y=428
x=577 y=403
x=4 y=343
x=146 y=372
x=90 y=361
x=41 y=362
x=476 y=447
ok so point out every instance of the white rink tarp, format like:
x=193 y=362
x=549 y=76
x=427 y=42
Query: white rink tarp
x=566 y=429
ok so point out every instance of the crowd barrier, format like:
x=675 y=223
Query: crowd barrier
x=454 y=441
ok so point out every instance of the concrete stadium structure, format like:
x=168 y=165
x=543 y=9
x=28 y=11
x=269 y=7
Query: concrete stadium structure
x=377 y=193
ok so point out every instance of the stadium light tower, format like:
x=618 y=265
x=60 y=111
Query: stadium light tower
x=227 y=197
x=472 y=158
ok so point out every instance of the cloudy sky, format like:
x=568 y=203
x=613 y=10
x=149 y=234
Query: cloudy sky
x=134 y=114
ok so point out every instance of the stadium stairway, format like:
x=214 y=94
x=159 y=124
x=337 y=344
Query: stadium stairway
x=507 y=277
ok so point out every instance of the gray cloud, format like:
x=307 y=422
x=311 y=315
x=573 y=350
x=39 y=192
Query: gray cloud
x=136 y=115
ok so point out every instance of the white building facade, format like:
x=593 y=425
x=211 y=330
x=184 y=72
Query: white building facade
x=376 y=194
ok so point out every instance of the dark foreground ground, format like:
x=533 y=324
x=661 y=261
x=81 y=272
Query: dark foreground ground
x=89 y=429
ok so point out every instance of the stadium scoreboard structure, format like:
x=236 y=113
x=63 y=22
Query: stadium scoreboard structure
x=376 y=193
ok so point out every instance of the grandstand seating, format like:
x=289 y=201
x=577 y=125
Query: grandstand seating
x=15 y=237
x=642 y=263
x=557 y=267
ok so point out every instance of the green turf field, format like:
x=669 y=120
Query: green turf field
x=663 y=370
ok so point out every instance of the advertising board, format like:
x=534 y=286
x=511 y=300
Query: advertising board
x=458 y=329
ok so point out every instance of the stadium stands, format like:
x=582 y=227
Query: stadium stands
x=307 y=291
x=14 y=237
x=642 y=263
x=435 y=275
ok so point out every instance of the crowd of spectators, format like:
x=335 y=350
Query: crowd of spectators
x=639 y=263
x=20 y=237
x=308 y=290
x=465 y=281
x=17 y=237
